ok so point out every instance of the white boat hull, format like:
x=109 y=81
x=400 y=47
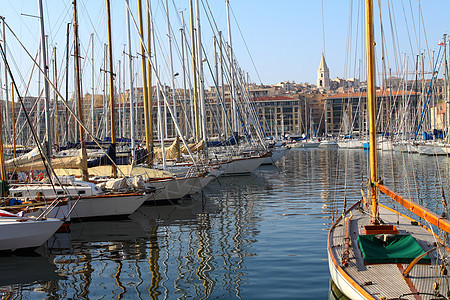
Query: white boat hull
x=277 y=154
x=107 y=205
x=174 y=188
x=343 y=285
x=430 y=150
x=385 y=146
x=242 y=165
x=304 y=144
x=59 y=212
x=15 y=235
x=351 y=144
x=328 y=144
x=90 y=205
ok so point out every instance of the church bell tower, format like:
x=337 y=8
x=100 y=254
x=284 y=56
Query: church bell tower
x=323 y=75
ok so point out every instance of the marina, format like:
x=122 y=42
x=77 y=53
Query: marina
x=143 y=157
x=227 y=243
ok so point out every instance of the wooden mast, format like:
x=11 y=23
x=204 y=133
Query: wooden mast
x=371 y=97
x=111 y=91
x=78 y=93
x=144 y=79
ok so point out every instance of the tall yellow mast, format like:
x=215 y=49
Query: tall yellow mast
x=371 y=99
x=111 y=89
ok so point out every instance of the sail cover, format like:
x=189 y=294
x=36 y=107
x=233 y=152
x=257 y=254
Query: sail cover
x=395 y=248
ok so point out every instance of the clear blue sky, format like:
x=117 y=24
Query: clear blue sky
x=285 y=38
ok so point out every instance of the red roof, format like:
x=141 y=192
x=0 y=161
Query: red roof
x=273 y=98
x=379 y=93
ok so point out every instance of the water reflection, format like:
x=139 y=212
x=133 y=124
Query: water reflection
x=24 y=270
x=335 y=293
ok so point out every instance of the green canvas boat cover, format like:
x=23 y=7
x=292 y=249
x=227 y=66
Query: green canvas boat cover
x=396 y=249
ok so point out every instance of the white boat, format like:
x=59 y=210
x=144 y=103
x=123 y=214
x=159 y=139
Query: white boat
x=328 y=144
x=21 y=233
x=446 y=148
x=304 y=144
x=120 y=204
x=174 y=188
x=310 y=144
x=401 y=146
x=431 y=149
x=277 y=154
x=173 y=184
x=242 y=165
x=84 y=199
x=385 y=145
x=351 y=144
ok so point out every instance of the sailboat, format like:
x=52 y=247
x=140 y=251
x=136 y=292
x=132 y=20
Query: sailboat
x=117 y=197
x=18 y=232
x=22 y=233
x=375 y=252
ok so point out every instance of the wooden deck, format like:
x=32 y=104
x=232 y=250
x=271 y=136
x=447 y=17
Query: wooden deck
x=386 y=280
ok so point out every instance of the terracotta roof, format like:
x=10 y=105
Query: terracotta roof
x=273 y=98
x=379 y=93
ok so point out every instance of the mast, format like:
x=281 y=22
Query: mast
x=158 y=99
x=223 y=113
x=150 y=93
x=306 y=123
x=13 y=117
x=230 y=53
x=130 y=60
x=66 y=115
x=92 y=85
x=144 y=78
x=371 y=97
x=55 y=80
x=48 y=134
x=123 y=93
x=105 y=86
x=200 y=74
x=111 y=92
x=6 y=76
x=78 y=90
x=172 y=74
x=444 y=127
x=216 y=79
x=119 y=86
x=3 y=184
x=183 y=66
x=194 y=73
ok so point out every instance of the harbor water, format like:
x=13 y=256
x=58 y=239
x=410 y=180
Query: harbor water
x=259 y=236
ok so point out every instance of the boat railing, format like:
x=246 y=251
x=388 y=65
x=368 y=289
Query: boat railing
x=417 y=209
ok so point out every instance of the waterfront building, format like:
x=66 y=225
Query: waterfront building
x=346 y=113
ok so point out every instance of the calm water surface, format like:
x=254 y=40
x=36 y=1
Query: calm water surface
x=261 y=236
